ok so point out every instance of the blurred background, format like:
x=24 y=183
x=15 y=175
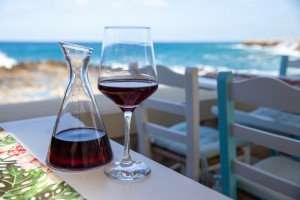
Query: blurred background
x=247 y=36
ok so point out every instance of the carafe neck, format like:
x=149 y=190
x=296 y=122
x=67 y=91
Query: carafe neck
x=77 y=58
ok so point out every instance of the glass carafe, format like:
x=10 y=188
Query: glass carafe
x=79 y=140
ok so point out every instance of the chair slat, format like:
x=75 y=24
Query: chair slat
x=272 y=140
x=266 y=179
x=143 y=139
x=227 y=142
x=283 y=65
x=168 y=77
x=192 y=118
x=163 y=105
x=269 y=92
x=294 y=63
x=160 y=131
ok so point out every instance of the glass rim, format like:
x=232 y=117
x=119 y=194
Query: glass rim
x=127 y=27
x=76 y=47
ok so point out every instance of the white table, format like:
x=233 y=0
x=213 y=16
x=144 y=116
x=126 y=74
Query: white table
x=163 y=183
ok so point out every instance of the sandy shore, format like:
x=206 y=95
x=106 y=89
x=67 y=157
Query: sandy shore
x=36 y=81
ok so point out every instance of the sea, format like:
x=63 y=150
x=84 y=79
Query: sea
x=219 y=56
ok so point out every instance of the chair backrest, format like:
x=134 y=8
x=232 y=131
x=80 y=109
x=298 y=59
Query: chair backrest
x=262 y=91
x=189 y=109
x=285 y=62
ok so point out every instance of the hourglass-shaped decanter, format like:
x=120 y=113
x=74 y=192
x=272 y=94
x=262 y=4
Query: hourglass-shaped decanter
x=79 y=140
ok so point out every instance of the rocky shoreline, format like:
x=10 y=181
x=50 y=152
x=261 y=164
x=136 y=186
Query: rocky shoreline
x=41 y=80
x=35 y=81
x=275 y=44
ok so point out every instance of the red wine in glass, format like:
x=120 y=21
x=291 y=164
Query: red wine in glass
x=79 y=148
x=127 y=93
x=127 y=75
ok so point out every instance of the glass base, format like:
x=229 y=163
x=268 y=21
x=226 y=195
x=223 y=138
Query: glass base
x=127 y=171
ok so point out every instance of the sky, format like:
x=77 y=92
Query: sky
x=170 y=20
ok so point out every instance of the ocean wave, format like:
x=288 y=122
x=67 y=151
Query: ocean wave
x=249 y=48
x=283 y=48
x=6 y=61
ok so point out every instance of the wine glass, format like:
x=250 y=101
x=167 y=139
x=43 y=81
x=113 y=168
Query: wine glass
x=127 y=76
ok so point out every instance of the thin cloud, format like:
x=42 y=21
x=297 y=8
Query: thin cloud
x=157 y=3
x=208 y=20
x=137 y=3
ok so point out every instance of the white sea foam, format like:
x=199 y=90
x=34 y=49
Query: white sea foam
x=283 y=48
x=6 y=61
x=177 y=68
x=287 y=48
x=249 y=48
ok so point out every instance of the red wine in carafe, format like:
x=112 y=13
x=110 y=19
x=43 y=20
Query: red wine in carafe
x=79 y=148
x=127 y=93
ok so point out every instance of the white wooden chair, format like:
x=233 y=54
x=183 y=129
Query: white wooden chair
x=276 y=177
x=182 y=138
x=145 y=129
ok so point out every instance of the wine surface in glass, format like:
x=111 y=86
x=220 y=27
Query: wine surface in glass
x=80 y=148
x=127 y=93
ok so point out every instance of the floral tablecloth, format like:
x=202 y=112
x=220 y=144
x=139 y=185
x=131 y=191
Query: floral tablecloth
x=23 y=177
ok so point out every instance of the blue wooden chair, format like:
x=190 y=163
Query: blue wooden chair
x=270 y=119
x=276 y=177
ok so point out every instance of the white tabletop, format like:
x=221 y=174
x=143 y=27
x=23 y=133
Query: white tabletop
x=163 y=183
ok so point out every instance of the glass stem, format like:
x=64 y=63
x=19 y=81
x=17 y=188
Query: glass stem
x=126 y=154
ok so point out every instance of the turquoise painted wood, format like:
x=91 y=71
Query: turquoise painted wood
x=226 y=107
x=283 y=65
x=227 y=142
x=282 y=72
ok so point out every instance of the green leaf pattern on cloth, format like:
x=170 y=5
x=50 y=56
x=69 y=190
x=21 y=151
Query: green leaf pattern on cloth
x=6 y=140
x=23 y=177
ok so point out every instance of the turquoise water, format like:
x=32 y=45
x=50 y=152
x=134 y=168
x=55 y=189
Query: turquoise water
x=232 y=56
